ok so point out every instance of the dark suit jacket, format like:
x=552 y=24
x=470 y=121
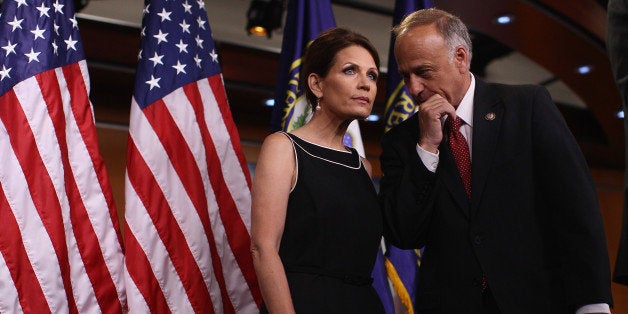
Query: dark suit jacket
x=533 y=224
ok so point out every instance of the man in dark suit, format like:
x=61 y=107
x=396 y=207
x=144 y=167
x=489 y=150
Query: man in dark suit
x=617 y=46
x=520 y=231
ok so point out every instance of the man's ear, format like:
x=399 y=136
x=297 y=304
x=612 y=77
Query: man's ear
x=461 y=57
x=315 y=83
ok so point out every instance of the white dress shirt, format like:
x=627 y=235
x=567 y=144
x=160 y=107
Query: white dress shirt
x=430 y=160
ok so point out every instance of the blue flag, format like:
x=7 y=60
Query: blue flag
x=399 y=102
x=402 y=266
x=305 y=20
x=380 y=283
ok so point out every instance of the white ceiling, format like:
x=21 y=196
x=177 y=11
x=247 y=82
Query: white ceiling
x=228 y=19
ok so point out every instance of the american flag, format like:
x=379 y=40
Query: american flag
x=187 y=229
x=60 y=246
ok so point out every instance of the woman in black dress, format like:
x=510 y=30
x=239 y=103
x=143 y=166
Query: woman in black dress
x=316 y=224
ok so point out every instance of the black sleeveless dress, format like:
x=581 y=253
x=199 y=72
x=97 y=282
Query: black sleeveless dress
x=332 y=232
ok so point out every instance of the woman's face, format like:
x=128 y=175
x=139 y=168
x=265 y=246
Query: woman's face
x=349 y=89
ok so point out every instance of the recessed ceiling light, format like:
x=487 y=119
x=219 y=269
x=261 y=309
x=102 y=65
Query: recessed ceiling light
x=269 y=102
x=505 y=19
x=584 y=69
x=620 y=114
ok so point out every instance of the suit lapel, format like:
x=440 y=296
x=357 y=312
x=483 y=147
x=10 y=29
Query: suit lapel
x=451 y=177
x=488 y=115
x=447 y=170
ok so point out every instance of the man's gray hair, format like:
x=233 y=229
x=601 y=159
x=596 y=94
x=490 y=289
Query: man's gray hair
x=453 y=30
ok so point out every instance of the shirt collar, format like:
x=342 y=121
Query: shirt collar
x=465 y=109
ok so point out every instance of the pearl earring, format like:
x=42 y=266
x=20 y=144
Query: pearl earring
x=318 y=104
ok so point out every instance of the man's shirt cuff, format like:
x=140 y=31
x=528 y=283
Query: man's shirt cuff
x=430 y=160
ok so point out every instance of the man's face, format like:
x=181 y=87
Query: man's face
x=428 y=67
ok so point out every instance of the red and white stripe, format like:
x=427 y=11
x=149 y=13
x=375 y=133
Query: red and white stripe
x=187 y=206
x=60 y=244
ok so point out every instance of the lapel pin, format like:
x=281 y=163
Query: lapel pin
x=490 y=116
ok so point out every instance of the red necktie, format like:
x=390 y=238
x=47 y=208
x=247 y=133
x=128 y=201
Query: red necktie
x=460 y=150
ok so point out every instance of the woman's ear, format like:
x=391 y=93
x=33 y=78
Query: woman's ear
x=315 y=83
